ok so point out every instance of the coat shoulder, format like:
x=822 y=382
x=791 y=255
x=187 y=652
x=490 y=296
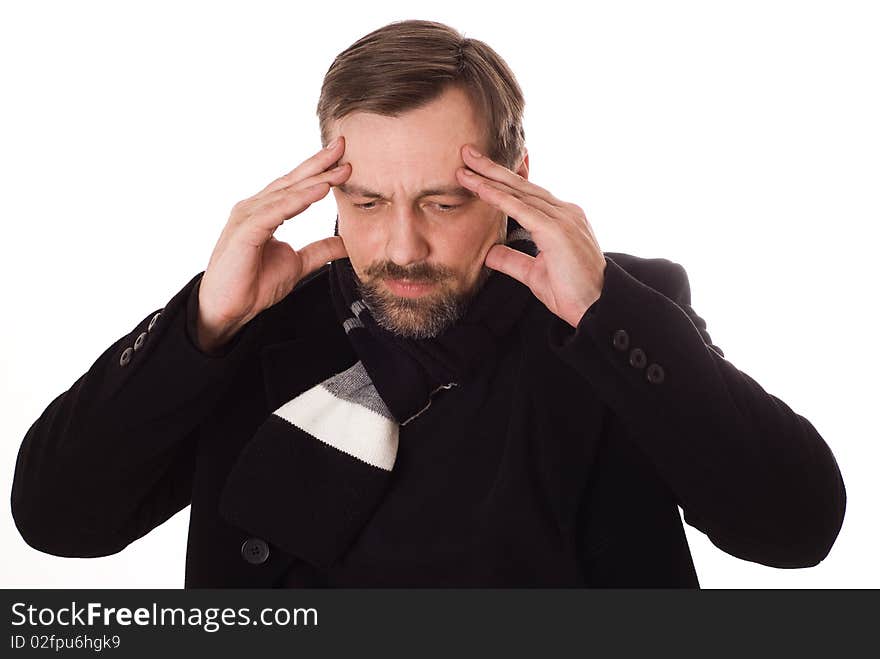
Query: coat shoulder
x=663 y=275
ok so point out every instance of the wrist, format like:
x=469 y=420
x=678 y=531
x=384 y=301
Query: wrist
x=212 y=338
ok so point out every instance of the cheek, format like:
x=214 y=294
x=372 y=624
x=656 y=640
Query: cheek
x=361 y=243
x=481 y=236
x=467 y=254
x=354 y=233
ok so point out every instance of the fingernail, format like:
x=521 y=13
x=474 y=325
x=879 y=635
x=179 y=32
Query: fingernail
x=333 y=143
x=474 y=152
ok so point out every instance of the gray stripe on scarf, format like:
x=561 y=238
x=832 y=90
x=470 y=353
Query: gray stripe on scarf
x=355 y=386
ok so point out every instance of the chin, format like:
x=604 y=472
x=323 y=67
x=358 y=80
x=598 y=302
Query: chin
x=422 y=317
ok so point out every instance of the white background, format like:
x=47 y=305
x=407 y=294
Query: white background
x=739 y=139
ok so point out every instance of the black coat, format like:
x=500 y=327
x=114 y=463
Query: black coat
x=622 y=420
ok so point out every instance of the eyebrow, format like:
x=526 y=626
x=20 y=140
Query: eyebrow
x=441 y=191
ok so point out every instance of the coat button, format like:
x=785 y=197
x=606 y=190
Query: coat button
x=126 y=356
x=638 y=358
x=655 y=374
x=154 y=319
x=255 y=550
x=620 y=340
x=140 y=340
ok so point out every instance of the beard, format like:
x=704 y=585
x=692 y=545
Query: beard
x=423 y=317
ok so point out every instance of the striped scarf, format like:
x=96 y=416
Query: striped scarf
x=342 y=434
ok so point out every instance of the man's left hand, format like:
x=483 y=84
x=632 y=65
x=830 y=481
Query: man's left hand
x=568 y=273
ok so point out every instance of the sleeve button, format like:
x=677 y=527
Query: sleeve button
x=140 y=340
x=154 y=319
x=620 y=339
x=126 y=356
x=655 y=374
x=638 y=358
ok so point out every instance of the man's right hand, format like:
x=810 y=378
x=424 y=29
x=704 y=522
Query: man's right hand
x=249 y=269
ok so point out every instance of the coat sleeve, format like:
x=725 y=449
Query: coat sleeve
x=750 y=473
x=113 y=457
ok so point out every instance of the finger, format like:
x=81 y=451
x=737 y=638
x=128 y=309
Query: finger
x=316 y=254
x=313 y=165
x=563 y=215
x=548 y=208
x=492 y=170
x=333 y=176
x=273 y=211
x=511 y=262
x=530 y=217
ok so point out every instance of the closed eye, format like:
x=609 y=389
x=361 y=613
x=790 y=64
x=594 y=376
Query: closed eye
x=443 y=208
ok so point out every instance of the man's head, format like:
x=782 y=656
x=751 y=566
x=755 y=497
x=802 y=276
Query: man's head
x=406 y=98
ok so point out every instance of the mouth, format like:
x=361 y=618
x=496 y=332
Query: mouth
x=409 y=287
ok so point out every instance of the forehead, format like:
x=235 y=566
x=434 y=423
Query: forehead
x=419 y=149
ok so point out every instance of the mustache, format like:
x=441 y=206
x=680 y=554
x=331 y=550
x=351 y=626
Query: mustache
x=422 y=272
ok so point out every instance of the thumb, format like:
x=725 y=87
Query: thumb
x=316 y=254
x=510 y=261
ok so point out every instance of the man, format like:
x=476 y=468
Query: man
x=470 y=393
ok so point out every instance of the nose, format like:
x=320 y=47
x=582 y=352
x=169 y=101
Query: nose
x=406 y=241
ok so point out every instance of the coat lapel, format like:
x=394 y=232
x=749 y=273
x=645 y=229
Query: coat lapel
x=291 y=485
x=304 y=342
x=285 y=480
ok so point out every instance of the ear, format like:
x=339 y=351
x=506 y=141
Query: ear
x=524 y=166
